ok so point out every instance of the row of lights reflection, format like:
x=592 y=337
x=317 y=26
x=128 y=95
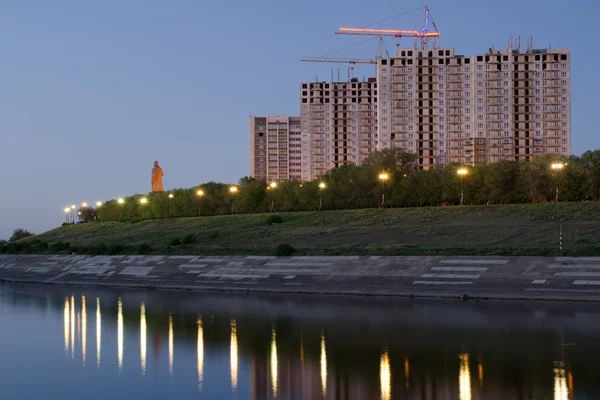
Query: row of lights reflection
x=73 y=319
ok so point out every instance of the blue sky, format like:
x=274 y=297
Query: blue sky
x=93 y=92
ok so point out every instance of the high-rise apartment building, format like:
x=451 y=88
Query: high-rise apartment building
x=446 y=108
x=275 y=148
x=339 y=124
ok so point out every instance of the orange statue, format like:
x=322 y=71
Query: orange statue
x=157 y=174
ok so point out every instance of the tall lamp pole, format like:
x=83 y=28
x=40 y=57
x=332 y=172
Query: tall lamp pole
x=233 y=190
x=272 y=187
x=200 y=193
x=322 y=187
x=171 y=204
x=557 y=167
x=383 y=177
x=462 y=172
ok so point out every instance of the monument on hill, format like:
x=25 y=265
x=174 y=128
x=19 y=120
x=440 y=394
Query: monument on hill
x=157 y=175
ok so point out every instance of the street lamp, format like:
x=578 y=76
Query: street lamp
x=67 y=212
x=383 y=177
x=557 y=167
x=462 y=172
x=73 y=212
x=233 y=190
x=143 y=202
x=84 y=205
x=199 y=193
x=120 y=201
x=98 y=203
x=322 y=187
x=272 y=186
x=171 y=204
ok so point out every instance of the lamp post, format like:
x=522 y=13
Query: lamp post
x=98 y=205
x=199 y=193
x=462 y=172
x=143 y=202
x=272 y=187
x=233 y=190
x=73 y=211
x=383 y=177
x=171 y=204
x=67 y=212
x=120 y=201
x=557 y=167
x=322 y=187
x=84 y=205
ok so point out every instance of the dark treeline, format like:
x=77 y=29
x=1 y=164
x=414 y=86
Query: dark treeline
x=359 y=186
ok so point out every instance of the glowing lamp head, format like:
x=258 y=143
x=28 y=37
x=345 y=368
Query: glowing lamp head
x=557 y=166
x=233 y=189
x=171 y=195
x=73 y=206
x=144 y=200
x=68 y=209
x=273 y=185
x=121 y=200
x=322 y=185
x=98 y=203
x=462 y=172
x=84 y=204
x=383 y=176
x=200 y=193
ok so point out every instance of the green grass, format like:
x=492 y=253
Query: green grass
x=524 y=229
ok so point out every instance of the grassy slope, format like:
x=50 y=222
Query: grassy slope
x=526 y=229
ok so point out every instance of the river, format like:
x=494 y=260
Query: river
x=74 y=343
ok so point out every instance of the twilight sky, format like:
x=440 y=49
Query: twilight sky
x=93 y=92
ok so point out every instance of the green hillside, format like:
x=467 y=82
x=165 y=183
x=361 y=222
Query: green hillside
x=525 y=229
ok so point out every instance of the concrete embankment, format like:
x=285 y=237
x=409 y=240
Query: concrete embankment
x=524 y=278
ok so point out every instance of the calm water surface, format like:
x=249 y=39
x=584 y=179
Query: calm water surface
x=74 y=343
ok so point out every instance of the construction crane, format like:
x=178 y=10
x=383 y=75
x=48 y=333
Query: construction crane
x=339 y=60
x=422 y=34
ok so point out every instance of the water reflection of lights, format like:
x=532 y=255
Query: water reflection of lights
x=480 y=373
x=200 y=346
x=464 y=378
x=72 y=326
x=274 y=364
x=98 y=332
x=120 y=334
x=83 y=329
x=406 y=373
x=171 y=345
x=67 y=317
x=234 y=355
x=385 y=377
x=323 y=366
x=143 y=342
x=561 y=392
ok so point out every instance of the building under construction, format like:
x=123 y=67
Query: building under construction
x=503 y=104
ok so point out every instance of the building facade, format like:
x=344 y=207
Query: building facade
x=446 y=108
x=339 y=124
x=275 y=148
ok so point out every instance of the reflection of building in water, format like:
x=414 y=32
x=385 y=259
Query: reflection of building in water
x=561 y=392
x=83 y=329
x=120 y=336
x=323 y=366
x=171 y=345
x=98 y=332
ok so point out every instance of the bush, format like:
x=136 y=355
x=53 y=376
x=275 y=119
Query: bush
x=188 y=239
x=59 y=246
x=19 y=234
x=144 y=248
x=135 y=220
x=284 y=250
x=114 y=249
x=13 y=248
x=175 y=242
x=97 y=249
x=65 y=224
x=274 y=219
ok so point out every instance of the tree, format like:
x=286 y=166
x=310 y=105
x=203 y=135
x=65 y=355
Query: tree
x=19 y=234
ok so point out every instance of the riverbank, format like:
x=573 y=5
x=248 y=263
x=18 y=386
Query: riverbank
x=499 y=230
x=514 y=278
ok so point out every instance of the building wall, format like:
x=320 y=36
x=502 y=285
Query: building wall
x=275 y=149
x=339 y=124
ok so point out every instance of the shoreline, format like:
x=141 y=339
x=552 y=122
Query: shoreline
x=434 y=277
